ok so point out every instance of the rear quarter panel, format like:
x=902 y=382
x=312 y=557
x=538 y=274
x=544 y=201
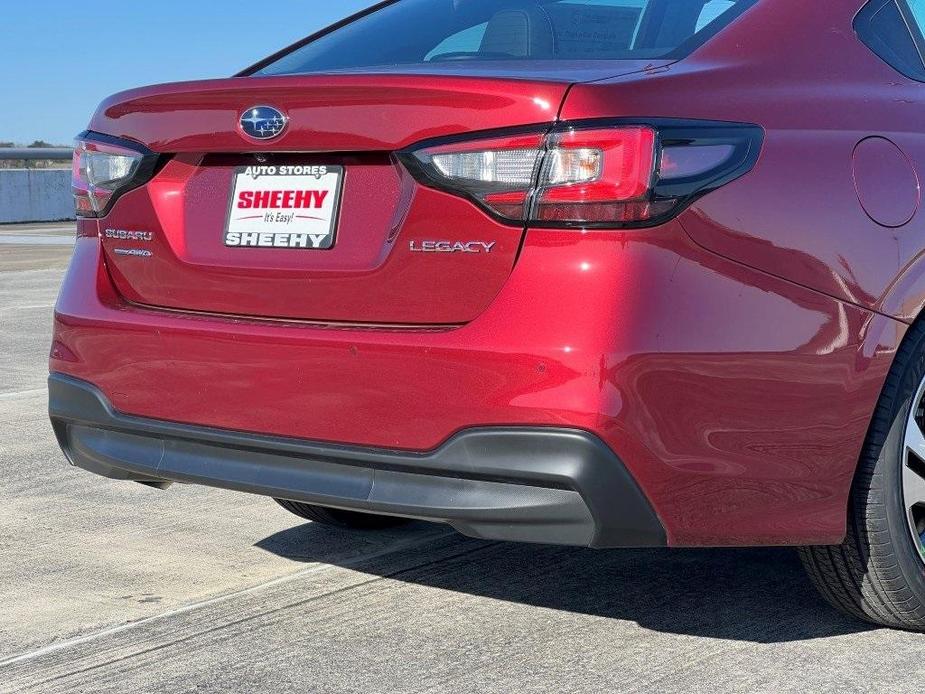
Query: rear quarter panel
x=798 y=70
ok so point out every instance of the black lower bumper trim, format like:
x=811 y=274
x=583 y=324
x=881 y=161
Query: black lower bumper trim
x=554 y=486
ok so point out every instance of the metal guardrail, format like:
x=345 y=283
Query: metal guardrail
x=36 y=153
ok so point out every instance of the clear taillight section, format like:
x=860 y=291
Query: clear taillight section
x=101 y=171
x=591 y=176
x=499 y=173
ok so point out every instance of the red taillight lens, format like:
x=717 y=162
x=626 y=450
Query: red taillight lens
x=104 y=169
x=621 y=175
x=596 y=175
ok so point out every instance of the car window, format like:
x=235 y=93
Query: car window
x=470 y=40
x=712 y=11
x=466 y=41
x=884 y=25
x=915 y=17
x=918 y=12
x=430 y=31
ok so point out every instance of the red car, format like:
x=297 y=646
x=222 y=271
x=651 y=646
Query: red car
x=607 y=273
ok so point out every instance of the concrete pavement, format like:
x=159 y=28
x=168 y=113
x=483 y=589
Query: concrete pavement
x=34 y=247
x=113 y=587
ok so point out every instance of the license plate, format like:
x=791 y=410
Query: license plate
x=291 y=207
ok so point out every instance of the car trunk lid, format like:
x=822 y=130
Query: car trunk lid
x=348 y=125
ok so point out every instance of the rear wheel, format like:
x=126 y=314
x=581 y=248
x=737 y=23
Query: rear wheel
x=878 y=572
x=340 y=519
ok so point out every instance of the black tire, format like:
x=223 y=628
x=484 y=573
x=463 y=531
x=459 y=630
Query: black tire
x=877 y=574
x=339 y=518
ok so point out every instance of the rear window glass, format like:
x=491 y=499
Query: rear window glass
x=414 y=32
x=886 y=30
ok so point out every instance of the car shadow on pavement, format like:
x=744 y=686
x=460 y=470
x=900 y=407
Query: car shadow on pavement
x=755 y=595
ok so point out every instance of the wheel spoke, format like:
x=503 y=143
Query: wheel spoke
x=913 y=471
x=913 y=480
x=915 y=440
x=913 y=487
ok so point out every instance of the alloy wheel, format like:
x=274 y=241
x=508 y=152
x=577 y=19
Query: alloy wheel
x=913 y=473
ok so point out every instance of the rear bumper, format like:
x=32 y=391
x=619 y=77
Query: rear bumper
x=553 y=486
x=738 y=402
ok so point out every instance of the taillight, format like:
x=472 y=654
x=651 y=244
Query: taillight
x=104 y=168
x=604 y=175
x=499 y=173
x=596 y=175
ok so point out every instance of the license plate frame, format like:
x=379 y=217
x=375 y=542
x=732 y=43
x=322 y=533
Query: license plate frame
x=284 y=207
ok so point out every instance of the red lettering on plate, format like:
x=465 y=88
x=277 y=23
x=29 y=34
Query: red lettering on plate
x=303 y=199
x=320 y=195
x=282 y=199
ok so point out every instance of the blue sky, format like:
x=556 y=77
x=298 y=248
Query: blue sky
x=60 y=58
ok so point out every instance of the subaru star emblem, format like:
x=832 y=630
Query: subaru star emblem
x=263 y=122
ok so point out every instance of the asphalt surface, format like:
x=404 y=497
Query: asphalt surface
x=113 y=587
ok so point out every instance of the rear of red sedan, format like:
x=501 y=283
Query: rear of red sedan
x=491 y=263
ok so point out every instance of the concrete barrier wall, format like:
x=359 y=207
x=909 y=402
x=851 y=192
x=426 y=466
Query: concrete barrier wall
x=35 y=195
